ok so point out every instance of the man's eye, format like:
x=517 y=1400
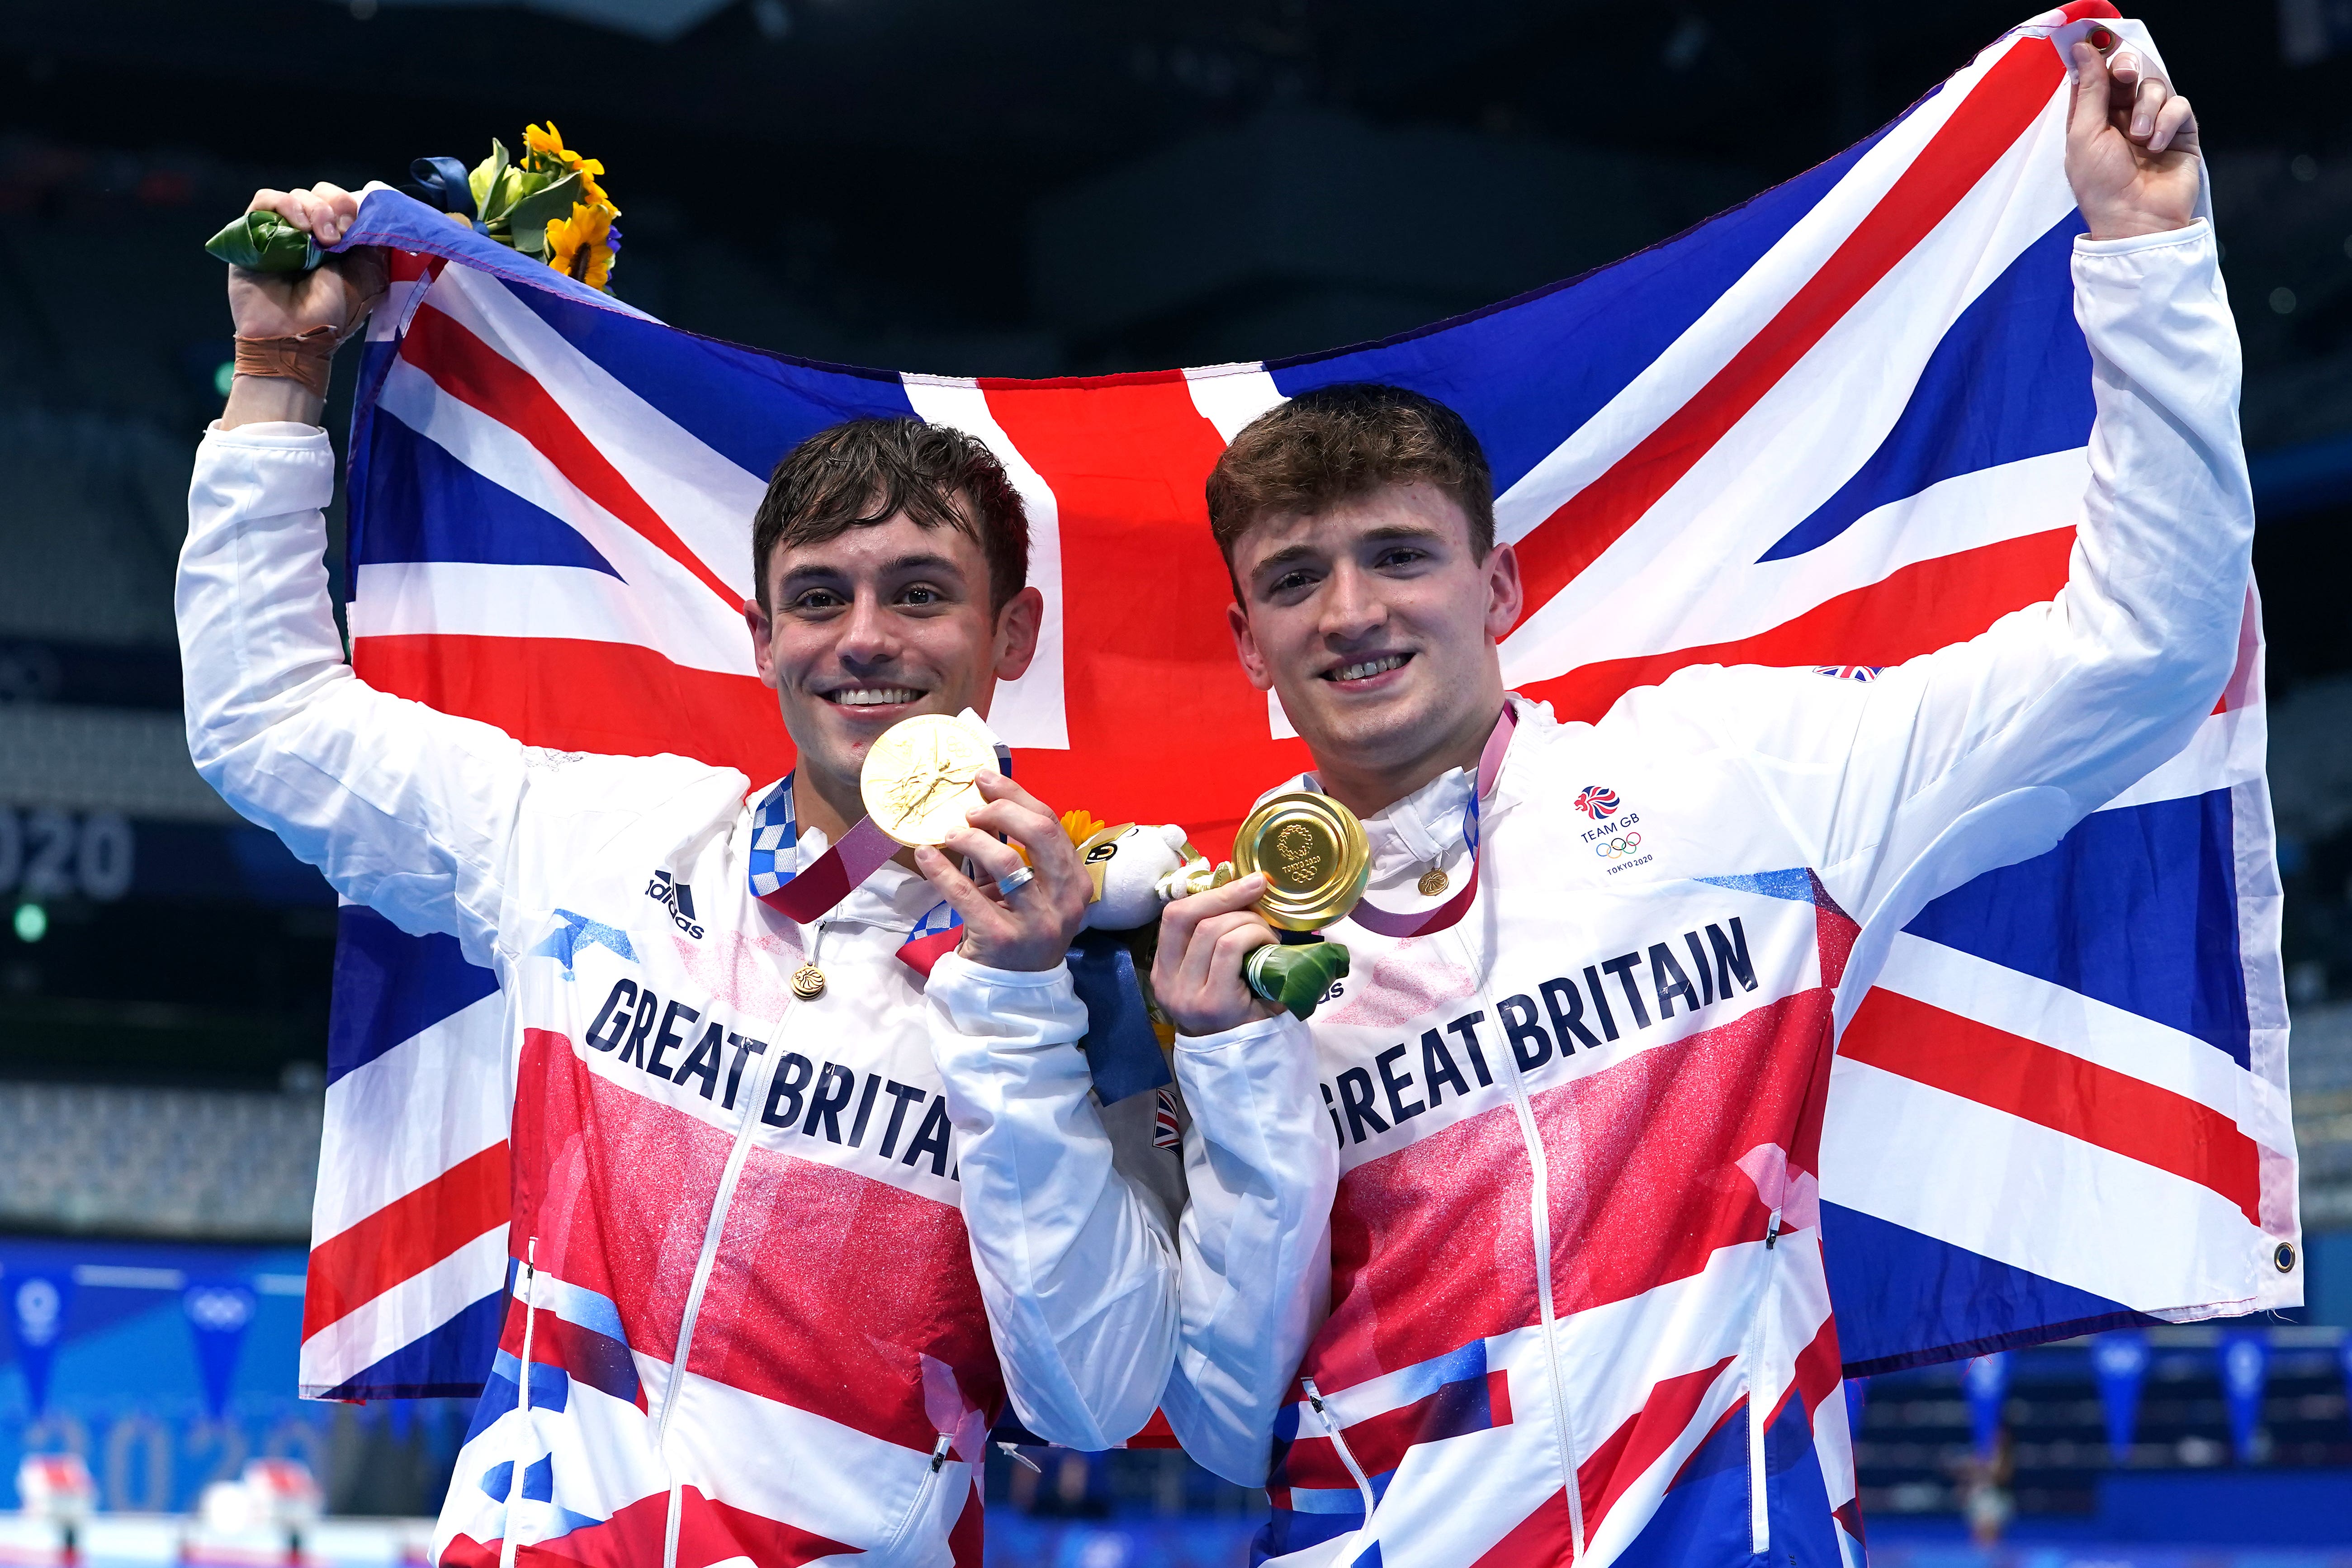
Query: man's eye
x=1288 y=581
x=1402 y=555
x=922 y=594
x=818 y=599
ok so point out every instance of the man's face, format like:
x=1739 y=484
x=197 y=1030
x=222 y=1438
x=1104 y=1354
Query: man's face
x=1376 y=625
x=877 y=624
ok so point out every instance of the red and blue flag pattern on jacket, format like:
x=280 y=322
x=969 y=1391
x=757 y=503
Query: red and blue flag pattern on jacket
x=1836 y=427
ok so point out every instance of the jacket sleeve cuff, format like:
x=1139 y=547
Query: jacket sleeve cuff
x=1018 y=1005
x=1239 y=1038
x=269 y=434
x=272 y=469
x=2200 y=233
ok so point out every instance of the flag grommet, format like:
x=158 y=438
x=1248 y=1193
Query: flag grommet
x=2284 y=1257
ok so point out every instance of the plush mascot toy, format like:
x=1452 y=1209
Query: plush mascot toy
x=1138 y=868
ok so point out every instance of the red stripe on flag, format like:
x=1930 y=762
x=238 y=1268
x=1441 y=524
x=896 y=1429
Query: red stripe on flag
x=575 y=695
x=2057 y=1089
x=1985 y=124
x=470 y=371
x=1913 y=610
x=406 y=1236
x=1165 y=727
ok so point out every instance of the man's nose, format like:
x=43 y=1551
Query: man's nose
x=1351 y=604
x=867 y=635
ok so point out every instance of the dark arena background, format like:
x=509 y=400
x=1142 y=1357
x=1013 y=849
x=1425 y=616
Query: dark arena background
x=1023 y=188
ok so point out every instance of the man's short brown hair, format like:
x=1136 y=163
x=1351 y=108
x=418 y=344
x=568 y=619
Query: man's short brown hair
x=865 y=471
x=1336 y=443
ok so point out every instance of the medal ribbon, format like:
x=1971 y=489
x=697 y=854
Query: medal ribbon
x=1389 y=922
x=808 y=894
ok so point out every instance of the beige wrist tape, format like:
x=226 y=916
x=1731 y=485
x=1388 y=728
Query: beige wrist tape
x=307 y=357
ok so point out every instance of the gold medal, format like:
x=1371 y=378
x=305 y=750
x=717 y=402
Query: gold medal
x=808 y=983
x=1432 y=882
x=916 y=781
x=1314 y=855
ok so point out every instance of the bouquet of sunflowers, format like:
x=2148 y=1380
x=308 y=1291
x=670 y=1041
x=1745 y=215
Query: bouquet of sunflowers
x=547 y=204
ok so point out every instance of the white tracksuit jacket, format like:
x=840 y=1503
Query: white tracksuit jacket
x=1575 y=1304
x=756 y=1325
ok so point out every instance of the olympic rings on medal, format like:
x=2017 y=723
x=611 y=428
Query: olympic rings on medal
x=1611 y=848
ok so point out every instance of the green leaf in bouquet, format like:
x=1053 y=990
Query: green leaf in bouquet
x=263 y=242
x=542 y=207
x=485 y=178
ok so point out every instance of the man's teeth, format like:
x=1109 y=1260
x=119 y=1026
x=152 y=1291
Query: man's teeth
x=873 y=696
x=1369 y=667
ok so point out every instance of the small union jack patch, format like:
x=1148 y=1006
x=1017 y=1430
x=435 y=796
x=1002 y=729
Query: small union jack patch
x=1165 y=1133
x=1597 y=801
x=1850 y=671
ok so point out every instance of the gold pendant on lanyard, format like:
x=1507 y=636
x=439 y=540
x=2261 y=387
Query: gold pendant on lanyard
x=1432 y=882
x=808 y=983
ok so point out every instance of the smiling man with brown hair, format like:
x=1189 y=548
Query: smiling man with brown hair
x=1578 y=1307
x=758 y=1125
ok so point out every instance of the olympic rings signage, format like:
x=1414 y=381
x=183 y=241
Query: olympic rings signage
x=1624 y=844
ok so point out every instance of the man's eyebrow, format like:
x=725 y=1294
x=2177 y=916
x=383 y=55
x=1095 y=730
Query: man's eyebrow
x=1285 y=556
x=1388 y=530
x=1387 y=533
x=922 y=561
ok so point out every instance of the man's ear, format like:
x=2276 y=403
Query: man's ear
x=1245 y=649
x=763 y=633
x=1506 y=593
x=1018 y=624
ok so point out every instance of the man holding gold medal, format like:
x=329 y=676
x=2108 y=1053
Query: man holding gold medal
x=769 y=1047
x=1578 y=1309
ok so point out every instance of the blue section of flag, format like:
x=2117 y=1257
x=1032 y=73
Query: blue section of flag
x=390 y=986
x=426 y=505
x=1503 y=368
x=2011 y=380
x=748 y=406
x=1123 y=1055
x=1907 y=1299
x=444 y=1364
x=2136 y=907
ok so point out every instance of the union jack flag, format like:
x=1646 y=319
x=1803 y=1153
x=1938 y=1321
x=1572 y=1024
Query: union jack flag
x=1166 y=1133
x=1838 y=426
x=1596 y=802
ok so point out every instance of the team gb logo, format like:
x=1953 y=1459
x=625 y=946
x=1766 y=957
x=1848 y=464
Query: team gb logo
x=1597 y=801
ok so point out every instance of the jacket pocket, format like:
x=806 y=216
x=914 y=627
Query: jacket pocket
x=1340 y=1445
x=919 y=1509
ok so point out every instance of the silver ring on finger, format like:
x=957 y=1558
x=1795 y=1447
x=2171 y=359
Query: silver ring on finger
x=1013 y=882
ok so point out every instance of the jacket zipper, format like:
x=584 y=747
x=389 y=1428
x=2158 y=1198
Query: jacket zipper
x=703 y=1266
x=1762 y=1392
x=1539 y=1223
x=1339 y=1443
x=522 y=1403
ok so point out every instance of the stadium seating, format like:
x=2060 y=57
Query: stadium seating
x=120 y=1160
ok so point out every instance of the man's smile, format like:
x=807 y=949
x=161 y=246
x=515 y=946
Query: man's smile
x=1364 y=674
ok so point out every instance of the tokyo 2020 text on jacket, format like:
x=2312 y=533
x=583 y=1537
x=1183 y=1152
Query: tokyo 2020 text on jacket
x=1576 y=1306
x=749 y=1320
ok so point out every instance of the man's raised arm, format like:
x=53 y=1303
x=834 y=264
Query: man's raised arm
x=1987 y=752
x=409 y=811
